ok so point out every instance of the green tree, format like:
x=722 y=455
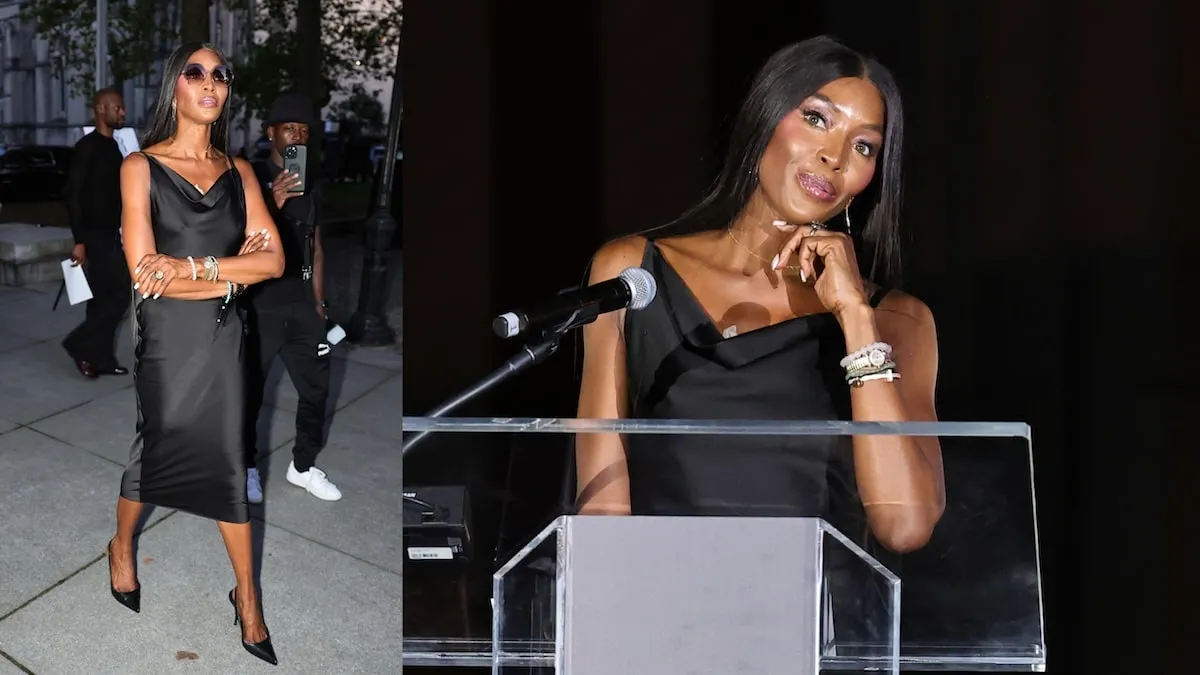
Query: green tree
x=361 y=109
x=135 y=31
x=355 y=44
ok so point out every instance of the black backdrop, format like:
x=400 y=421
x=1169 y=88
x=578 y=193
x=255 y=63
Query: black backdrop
x=1050 y=151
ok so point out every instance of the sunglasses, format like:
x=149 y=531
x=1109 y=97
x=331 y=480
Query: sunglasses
x=195 y=73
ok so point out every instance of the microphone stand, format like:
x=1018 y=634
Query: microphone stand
x=530 y=355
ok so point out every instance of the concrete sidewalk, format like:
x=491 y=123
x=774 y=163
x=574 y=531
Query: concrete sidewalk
x=330 y=572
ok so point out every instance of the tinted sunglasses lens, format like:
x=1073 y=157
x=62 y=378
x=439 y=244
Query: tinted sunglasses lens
x=223 y=75
x=193 y=72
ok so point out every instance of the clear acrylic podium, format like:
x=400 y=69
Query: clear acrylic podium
x=729 y=595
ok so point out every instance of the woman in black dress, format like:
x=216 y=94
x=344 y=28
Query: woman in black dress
x=762 y=313
x=195 y=232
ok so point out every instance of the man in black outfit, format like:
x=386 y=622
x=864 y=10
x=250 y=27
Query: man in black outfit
x=288 y=314
x=93 y=196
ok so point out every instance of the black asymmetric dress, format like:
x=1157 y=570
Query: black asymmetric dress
x=188 y=373
x=679 y=366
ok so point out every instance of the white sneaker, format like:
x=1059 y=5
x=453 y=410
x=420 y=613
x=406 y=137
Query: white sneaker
x=253 y=487
x=315 y=481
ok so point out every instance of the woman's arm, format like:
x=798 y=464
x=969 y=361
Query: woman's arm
x=249 y=268
x=601 y=472
x=137 y=235
x=899 y=477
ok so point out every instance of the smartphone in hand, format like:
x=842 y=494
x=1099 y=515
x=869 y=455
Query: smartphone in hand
x=295 y=161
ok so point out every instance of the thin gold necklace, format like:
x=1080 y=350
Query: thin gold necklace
x=747 y=249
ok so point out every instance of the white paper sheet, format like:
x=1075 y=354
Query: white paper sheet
x=78 y=288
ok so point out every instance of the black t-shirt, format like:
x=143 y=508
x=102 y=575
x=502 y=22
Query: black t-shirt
x=93 y=191
x=297 y=216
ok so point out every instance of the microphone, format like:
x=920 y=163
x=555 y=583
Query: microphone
x=634 y=288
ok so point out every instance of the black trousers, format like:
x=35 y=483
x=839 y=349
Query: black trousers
x=94 y=340
x=295 y=333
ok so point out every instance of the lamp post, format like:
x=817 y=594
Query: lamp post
x=101 y=44
x=369 y=325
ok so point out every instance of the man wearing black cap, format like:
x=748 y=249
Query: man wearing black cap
x=288 y=313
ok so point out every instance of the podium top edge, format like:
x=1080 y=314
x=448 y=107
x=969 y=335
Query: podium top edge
x=547 y=425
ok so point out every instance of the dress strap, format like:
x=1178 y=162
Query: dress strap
x=877 y=297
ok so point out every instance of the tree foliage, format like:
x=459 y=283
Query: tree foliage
x=356 y=44
x=361 y=109
x=135 y=31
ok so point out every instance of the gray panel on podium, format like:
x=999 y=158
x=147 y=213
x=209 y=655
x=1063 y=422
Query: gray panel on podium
x=652 y=595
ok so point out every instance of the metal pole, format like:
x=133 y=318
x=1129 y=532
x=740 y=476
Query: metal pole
x=369 y=325
x=101 y=44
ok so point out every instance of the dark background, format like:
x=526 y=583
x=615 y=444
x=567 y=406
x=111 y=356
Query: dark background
x=1050 y=156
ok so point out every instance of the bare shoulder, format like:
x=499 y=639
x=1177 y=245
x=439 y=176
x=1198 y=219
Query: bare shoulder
x=901 y=315
x=135 y=167
x=243 y=167
x=616 y=256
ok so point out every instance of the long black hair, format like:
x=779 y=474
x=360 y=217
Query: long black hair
x=788 y=77
x=163 y=117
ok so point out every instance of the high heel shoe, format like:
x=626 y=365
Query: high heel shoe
x=131 y=599
x=262 y=650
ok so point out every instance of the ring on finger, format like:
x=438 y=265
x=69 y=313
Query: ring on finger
x=814 y=228
x=158 y=275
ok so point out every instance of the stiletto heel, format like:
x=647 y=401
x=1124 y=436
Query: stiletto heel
x=262 y=650
x=130 y=599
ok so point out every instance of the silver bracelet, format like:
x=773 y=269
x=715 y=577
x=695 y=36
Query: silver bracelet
x=192 y=262
x=889 y=375
x=875 y=354
x=228 y=290
x=211 y=270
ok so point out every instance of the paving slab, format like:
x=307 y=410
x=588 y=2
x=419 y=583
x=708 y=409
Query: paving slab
x=326 y=611
x=379 y=412
x=388 y=358
x=64 y=501
x=40 y=381
x=6 y=666
x=365 y=523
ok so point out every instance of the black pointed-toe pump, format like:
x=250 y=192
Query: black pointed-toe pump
x=130 y=599
x=262 y=650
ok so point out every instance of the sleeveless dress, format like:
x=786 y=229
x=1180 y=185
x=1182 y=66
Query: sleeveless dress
x=679 y=366
x=188 y=373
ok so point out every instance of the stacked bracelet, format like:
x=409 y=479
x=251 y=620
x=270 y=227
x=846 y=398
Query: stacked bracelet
x=192 y=262
x=873 y=362
x=211 y=270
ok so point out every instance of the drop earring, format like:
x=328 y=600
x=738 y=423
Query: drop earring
x=849 y=229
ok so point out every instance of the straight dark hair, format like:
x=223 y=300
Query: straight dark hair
x=788 y=77
x=163 y=121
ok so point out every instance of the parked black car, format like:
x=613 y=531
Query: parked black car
x=33 y=172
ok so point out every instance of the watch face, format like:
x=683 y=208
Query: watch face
x=877 y=357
